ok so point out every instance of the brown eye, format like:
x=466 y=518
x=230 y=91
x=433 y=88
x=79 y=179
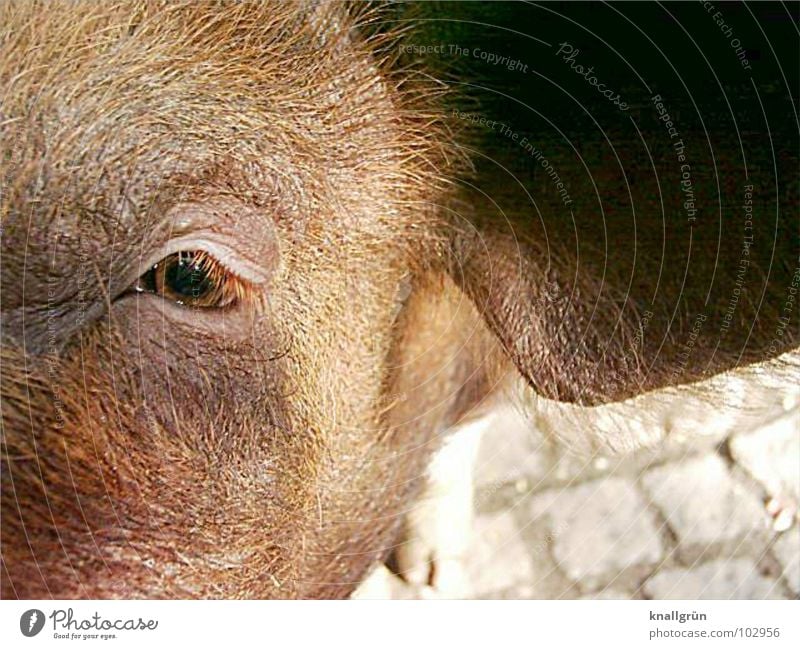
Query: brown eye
x=193 y=278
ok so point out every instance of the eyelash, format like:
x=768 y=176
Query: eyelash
x=194 y=278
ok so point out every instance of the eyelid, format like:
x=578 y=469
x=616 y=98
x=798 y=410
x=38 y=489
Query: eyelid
x=240 y=238
x=221 y=252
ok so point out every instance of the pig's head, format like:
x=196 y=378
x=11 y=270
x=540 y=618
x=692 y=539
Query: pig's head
x=240 y=302
x=212 y=222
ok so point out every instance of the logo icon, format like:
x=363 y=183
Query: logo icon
x=31 y=622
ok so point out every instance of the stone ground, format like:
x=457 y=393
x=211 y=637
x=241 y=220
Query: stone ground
x=711 y=515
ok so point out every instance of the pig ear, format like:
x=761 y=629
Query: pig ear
x=605 y=293
x=553 y=325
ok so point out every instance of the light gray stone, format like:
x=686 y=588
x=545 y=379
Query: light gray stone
x=598 y=529
x=719 y=579
x=497 y=557
x=787 y=551
x=511 y=450
x=593 y=537
x=382 y=584
x=771 y=454
x=702 y=504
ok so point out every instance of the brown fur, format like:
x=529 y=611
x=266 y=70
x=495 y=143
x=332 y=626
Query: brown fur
x=152 y=456
x=150 y=451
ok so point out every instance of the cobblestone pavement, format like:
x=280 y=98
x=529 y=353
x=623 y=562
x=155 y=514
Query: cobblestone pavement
x=709 y=516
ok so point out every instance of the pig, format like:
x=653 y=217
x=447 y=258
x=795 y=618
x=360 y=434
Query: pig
x=258 y=260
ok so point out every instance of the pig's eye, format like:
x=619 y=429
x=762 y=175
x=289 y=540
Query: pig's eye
x=194 y=279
